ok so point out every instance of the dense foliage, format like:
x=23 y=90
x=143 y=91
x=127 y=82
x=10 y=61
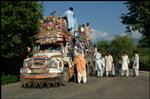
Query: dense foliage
x=138 y=18
x=117 y=45
x=19 y=24
x=6 y=79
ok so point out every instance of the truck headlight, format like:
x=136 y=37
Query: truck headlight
x=25 y=70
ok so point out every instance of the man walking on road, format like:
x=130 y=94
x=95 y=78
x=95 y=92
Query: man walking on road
x=99 y=63
x=80 y=67
x=136 y=64
x=125 y=62
x=103 y=63
x=108 y=60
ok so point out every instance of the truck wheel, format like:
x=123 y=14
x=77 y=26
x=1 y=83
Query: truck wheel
x=22 y=84
x=64 y=78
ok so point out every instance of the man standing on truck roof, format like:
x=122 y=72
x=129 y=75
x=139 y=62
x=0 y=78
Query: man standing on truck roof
x=70 y=19
x=75 y=27
x=87 y=32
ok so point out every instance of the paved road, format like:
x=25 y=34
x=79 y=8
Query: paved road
x=104 y=87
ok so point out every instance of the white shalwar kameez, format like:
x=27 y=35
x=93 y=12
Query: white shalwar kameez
x=108 y=61
x=98 y=65
x=75 y=26
x=69 y=14
x=103 y=64
x=125 y=62
x=136 y=64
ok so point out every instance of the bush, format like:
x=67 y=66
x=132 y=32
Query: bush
x=144 y=59
x=6 y=79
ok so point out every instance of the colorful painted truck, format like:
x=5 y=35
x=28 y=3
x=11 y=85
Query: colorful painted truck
x=50 y=64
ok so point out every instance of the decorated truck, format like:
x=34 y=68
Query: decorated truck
x=51 y=62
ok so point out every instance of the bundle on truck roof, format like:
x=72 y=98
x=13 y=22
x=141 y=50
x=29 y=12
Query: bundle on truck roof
x=52 y=36
x=53 y=30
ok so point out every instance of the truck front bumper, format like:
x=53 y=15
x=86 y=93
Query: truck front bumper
x=40 y=76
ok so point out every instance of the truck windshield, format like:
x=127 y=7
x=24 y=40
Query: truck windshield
x=50 y=47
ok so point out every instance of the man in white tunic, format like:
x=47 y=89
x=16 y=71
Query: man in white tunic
x=136 y=64
x=69 y=14
x=103 y=63
x=94 y=68
x=108 y=60
x=125 y=62
x=98 y=63
x=75 y=27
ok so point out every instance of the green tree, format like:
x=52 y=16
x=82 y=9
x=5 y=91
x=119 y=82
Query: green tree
x=122 y=43
x=138 y=18
x=19 y=24
x=117 y=46
x=104 y=45
x=125 y=43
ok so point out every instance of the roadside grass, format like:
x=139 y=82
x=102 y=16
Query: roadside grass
x=7 y=79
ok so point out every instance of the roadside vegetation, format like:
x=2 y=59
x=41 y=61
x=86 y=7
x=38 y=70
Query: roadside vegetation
x=6 y=79
x=19 y=24
x=125 y=43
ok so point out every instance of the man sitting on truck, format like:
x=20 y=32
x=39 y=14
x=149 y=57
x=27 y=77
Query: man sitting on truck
x=29 y=52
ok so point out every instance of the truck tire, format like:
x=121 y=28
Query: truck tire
x=64 y=78
x=22 y=84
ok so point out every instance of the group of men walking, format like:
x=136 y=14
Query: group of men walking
x=106 y=65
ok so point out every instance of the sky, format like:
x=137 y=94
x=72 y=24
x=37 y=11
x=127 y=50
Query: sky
x=103 y=16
